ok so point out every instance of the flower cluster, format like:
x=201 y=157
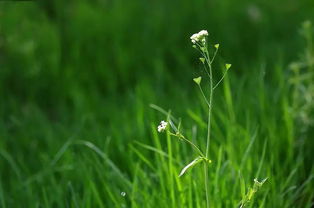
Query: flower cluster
x=162 y=126
x=199 y=37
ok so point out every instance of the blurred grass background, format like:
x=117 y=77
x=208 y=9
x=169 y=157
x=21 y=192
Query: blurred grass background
x=88 y=70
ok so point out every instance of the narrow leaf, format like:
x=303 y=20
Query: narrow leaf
x=190 y=165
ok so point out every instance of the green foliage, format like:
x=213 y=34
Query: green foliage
x=251 y=192
x=76 y=78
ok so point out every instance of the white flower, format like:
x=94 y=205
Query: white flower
x=194 y=38
x=203 y=33
x=162 y=126
x=200 y=36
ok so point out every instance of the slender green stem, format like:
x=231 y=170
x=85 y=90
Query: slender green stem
x=189 y=142
x=210 y=104
x=205 y=54
x=214 y=56
x=209 y=62
x=204 y=96
x=223 y=76
x=192 y=144
x=206 y=183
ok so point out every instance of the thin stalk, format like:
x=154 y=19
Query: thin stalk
x=203 y=53
x=173 y=201
x=208 y=124
x=206 y=184
x=223 y=76
x=214 y=56
x=204 y=96
x=209 y=61
x=210 y=104
x=189 y=142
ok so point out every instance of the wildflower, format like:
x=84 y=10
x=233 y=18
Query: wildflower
x=194 y=38
x=199 y=37
x=162 y=126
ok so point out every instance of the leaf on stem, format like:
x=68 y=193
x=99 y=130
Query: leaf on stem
x=190 y=165
x=197 y=80
x=228 y=66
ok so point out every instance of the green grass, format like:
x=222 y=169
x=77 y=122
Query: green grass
x=77 y=81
